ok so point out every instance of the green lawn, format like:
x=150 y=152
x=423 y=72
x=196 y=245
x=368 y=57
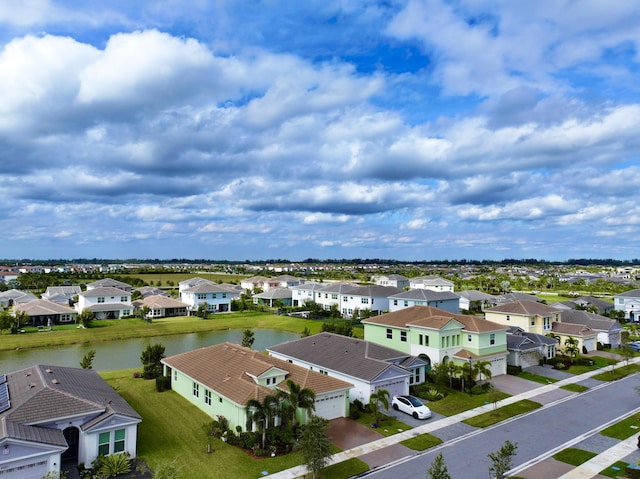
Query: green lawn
x=117 y=329
x=623 y=429
x=574 y=456
x=598 y=363
x=421 y=442
x=536 y=377
x=172 y=430
x=575 y=388
x=500 y=414
x=344 y=470
x=387 y=425
x=615 y=470
x=456 y=401
x=619 y=373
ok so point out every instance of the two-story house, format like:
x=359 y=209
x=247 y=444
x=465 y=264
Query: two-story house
x=440 y=336
x=395 y=280
x=106 y=302
x=216 y=297
x=329 y=295
x=530 y=316
x=373 y=298
x=629 y=302
x=305 y=293
x=434 y=283
x=425 y=297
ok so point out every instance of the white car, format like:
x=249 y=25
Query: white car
x=411 y=405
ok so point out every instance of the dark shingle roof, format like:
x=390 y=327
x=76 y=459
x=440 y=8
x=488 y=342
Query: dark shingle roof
x=594 y=321
x=426 y=295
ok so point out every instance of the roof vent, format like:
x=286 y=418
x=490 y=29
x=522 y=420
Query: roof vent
x=32 y=385
x=48 y=370
x=55 y=381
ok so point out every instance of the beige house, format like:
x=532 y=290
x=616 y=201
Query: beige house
x=586 y=337
x=530 y=316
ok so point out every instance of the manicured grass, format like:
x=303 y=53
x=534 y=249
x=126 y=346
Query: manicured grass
x=574 y=456
x=172 y=428
x=576 y=388
x=117 y=329
x=421 y=442
x=492 y=417
x=456 y=402
x=598 y=362
x=619 y=373
x=388 y=426
x=344 y=470
x=162 y=279
x=615 y=470
x=536 y=378
x=623 y=429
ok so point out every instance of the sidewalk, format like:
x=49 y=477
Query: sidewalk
x=610 y=456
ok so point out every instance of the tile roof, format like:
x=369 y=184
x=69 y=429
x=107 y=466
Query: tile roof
x=227 y=368
x=108 y=282
x=44 y=307
x=275 y=293
x=572 y=329
x=594 y=321
x=425 y=295
x=434 y=318
x=207 y=287
x=526 y=308
x=337 y=288
x=42 y=394
x=160 y=302
x=104 y=291
x=634 y=293
x=351 y=356
x=373 y=291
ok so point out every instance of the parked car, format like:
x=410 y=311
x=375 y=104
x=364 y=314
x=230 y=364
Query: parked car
x=411 y=405
x=634 y=346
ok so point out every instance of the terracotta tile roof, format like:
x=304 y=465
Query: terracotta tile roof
x=428 y=317
x=228 y=368
x=572 y=329
x=43 y=307
x=160 y=302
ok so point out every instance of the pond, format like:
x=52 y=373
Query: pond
x=125 y=354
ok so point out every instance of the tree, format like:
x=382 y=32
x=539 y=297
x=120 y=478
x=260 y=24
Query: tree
x=262 y=413
x=87 y=359
x=315 y=445
x=20 y=319
x=305 y=333
x=482 y=368
x=438 y=469
x=381 y=397
x=203 y=311
x=571 y=346
x=299 y=398
x=502 y=460
x=247 y=338
x=6 y=320
x=150 y=358
x=85 y=318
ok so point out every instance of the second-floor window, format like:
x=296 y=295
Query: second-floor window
x=403 y=336
x=123 y=299
x=492 y=338
x=202 y=296
x=547 y=323
x=207 y=397
x=196 y=389
x=364 y=300
x=100 y=299
x=389 y=333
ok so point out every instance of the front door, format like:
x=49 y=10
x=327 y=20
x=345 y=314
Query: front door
x=72 y=436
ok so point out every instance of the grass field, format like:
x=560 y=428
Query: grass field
x=172 y=279
x=117 y=329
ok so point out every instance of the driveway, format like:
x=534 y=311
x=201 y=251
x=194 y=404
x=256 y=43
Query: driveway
x=346 y=434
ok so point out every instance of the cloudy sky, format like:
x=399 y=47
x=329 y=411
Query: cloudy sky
x=410 y=130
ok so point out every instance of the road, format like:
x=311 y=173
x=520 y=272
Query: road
x=537 y=434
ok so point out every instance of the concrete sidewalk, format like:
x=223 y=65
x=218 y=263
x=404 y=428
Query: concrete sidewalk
x=612 y=455
x=593 y=466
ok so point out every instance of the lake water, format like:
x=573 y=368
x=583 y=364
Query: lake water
x=125 y=354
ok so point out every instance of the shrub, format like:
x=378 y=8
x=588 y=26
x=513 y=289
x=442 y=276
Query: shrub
x=163 y=383
x=137 y=374
x=514 y=370
x=114 y=464
x=432 y=394
x=357 y=403
x=354 y=412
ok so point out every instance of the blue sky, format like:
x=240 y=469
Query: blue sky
x=409 y=130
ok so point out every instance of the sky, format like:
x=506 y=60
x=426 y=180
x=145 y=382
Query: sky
x=233 y=130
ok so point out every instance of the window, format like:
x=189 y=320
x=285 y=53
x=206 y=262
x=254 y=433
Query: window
x=207 y=397
x=547 y=323
x=364 y=300
x=214 y=295
x=104 y=438
x=468 y=338
x=224 y=295
x=123 y=299
x=345 y=299
x=118 y=440
x=334 y=295
x=406 y=303
x=420 y=339
x=403 y=336
x=175 y=375
x=492 y=338
x=389 y=333
x=426 y=340
x=100 y=299
x=533 y=321
x=196 y=390
x=395 y=302
x=508 y=317
x=201 y=295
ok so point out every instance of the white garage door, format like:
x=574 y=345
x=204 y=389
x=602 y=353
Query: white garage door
x=590 y=344
x=395 y=388
x=28 y=471
x=330 y=407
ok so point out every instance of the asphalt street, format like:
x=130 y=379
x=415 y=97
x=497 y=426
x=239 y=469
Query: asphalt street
x=538 y=434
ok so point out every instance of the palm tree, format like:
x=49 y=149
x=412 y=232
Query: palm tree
x=571 y=346
x=375 y=399
x=299 y=398
x=453 y=369
x=482 y=368
x=262 y=413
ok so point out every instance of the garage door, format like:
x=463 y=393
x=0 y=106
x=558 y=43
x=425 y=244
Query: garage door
x=28 y=471
x=395 y=388
x=330 y=407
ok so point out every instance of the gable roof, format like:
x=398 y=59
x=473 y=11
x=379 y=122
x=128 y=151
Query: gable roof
x=68 y=291
x=228 y=368
x=634 y=293
x=526 y=308
x=337 y=288
x=42 y=394
x=594 y=321
x=425 y=295
x=351 y=356
x=435 y=318
x=159 y=302
x=474 y=295
x=432 y=280
x=275 y=293
x=373 y=291
x=572 y=329
x=108 y=282
x=16 y=296
x=206 y=286
x=104 y=291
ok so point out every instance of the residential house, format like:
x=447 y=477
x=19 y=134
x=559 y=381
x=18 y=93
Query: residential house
x=106 y=302
x=595 y=305
x=369 y=367
x=12 y=297
x=216 y=297
x=52 y=415
x=473 y=300
x=274 y=296
x=147 y=291
x=395 y=280
x=284 y=281
x=373 y=298
x=43 y=312
x=511 y=297
x=530 y=316
x=629 y=302
x=434 y=283
x=220 y=379
x=609 y=331
x=329 y=295
x=305 y=293
x=254 y=283
x=110 y=283
x=528 y=349
x=584 y=335
x=439 y=336
x=425 y=297
x=161 y=306
x=62 y=294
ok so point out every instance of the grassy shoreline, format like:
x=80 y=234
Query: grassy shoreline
x=119 y=329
